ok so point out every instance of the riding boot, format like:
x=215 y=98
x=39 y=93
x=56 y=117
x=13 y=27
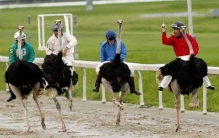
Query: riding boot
x=132 y=86
x=97 y=84
x=75 y=78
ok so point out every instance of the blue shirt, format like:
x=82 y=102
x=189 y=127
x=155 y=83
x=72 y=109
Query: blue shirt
x=108 y=52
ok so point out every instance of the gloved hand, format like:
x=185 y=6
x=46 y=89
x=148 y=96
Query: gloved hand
x=64 y=52
x=163 y=27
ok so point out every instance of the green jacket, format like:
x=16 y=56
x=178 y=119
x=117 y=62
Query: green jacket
x=27 y=50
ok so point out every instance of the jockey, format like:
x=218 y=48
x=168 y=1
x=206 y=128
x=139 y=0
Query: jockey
x=68 y=44
x=107 y=54
x=27 y=51
x=181 y=49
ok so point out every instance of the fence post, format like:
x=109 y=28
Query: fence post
x=204 y=100
x=84 y=85
x=7 y=88
x=103 y=95
x=182 y=103
x=141 y=89
x=160 y=93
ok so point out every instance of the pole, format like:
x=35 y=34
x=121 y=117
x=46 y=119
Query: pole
x=76 y=52
x=189 y=7
x=29 y=22
x=89 y=6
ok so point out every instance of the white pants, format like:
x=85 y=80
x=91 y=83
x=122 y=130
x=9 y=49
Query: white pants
x=129 y=66
x=68 y=62
x=167 y=79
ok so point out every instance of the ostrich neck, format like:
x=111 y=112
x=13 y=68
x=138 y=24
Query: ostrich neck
x=189 y=44
x=118 y=46
x=59 y=37
x=19 y=45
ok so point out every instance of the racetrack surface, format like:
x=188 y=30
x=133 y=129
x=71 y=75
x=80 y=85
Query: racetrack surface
x=92 y=119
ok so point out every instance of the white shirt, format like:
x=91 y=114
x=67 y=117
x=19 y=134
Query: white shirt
x=68 y=41
x=185 y=58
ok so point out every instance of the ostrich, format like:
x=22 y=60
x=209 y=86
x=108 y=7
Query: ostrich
x=115 y=76
x=22 y=77
x=187 y=77
x=58 y=76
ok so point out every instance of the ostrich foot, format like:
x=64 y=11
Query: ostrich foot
x=196 y=104
x=118 y=117
x=28 y=129
x=43 y=125
x=177 y=128
x=117 y=121
x=63 y=129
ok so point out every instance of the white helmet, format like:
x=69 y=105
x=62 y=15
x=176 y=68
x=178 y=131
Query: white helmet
x=16 y=35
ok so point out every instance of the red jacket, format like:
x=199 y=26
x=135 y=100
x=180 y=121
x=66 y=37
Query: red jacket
x=179 y=44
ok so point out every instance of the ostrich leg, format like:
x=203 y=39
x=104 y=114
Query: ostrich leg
x=176 y=91
x=60 y=114
x=17 y=92
x=192 y=102
x=177 y=111
x=69 y=96
x=124 y=89
x=36 y=88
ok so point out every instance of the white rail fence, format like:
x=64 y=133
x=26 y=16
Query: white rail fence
x=138 y=67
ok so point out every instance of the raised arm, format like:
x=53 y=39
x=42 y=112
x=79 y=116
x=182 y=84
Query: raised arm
x=166 y=40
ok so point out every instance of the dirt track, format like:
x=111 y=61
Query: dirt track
x=92 y=119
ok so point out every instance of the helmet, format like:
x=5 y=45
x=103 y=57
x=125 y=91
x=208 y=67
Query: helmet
x=178 y=25
x=16 y=35
x=110 y=34
x=55 y=27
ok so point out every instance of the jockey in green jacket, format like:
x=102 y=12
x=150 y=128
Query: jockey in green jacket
x=27 y=50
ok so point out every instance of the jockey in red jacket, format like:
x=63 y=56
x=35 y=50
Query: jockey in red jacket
x=181 y=49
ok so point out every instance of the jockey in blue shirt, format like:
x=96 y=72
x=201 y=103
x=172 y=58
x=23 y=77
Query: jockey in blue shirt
x=107 y=54
x=108 y=51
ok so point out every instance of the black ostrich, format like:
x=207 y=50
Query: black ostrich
x=58 y=76
x=115 y=76
x=187 y=77
x=22 y=77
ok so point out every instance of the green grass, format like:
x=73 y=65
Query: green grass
x=142 y=37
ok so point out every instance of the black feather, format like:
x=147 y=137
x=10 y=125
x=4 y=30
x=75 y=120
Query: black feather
x=56 y=73
x=189 y=74
x=24 y=75
x=116 y=72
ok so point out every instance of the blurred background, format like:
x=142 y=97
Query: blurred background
x=33 y=1
x=141 y=34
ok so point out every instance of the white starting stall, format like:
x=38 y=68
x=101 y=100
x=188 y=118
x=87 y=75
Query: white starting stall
x=67 y=22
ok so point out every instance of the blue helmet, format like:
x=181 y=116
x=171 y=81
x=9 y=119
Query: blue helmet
x=55 y=27
x=110 y=34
